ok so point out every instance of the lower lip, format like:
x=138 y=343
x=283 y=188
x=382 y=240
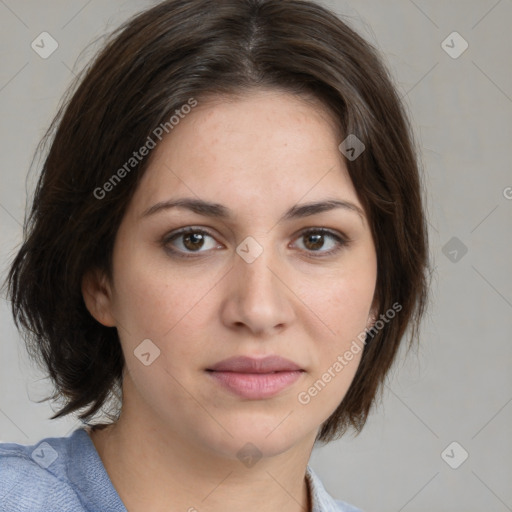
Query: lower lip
x=256 y=386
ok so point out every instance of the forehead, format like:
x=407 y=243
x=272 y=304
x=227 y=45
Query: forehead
x=256 y=151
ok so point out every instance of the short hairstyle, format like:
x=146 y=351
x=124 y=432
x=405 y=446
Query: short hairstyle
x=147 y=70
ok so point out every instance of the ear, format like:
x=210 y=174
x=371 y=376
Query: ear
x=97 y=294
x=372 y=315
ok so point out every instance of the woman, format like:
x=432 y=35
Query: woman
x=228 y=235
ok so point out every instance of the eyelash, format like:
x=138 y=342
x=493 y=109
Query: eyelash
x=340 y=240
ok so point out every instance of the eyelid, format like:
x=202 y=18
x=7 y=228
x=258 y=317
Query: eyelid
x=341 y=239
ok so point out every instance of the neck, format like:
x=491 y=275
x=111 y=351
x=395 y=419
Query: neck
x=152 y=469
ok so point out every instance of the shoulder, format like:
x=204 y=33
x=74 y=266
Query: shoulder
x=33 y=479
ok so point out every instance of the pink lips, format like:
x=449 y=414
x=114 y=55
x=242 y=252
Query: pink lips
x=256 y=378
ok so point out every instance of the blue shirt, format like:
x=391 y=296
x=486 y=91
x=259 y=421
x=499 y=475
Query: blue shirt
x=66 y=474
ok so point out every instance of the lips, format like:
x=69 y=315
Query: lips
x=243 y=364
x=255 y=379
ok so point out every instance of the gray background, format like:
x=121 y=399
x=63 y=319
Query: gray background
x=458 y=385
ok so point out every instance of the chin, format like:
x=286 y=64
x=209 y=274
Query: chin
x=260 y=435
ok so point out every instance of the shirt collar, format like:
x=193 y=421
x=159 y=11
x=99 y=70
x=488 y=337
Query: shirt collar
x=321 y=500
x=89 y=476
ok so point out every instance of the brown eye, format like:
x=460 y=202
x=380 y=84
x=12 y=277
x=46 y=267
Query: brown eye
x=188 y=241
x=193 y=241
x=314 y=242
x=317 y=239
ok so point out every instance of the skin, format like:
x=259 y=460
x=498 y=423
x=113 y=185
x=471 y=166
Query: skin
x=179 y=432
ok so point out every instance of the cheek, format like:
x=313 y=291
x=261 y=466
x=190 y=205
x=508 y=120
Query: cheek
x=158 y=301
x=337 y=348
x=145 y=289
x=142 y=300
x=341 y=302
x=153 y=302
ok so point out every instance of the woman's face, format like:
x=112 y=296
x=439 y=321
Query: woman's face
x=253 y=276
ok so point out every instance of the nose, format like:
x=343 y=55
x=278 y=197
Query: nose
x=258 y=297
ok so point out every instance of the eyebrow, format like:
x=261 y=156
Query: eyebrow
x=219 y=211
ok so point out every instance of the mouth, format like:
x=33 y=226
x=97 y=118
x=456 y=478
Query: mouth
x=255 y=379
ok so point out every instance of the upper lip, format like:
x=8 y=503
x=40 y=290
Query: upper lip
x=244 y=364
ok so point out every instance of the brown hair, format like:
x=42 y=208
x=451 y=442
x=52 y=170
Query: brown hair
x=151 y=66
